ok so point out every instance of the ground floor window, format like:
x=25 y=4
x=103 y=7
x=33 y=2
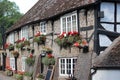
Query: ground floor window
x=12 y=63
x=23 y=63
x=66 y=66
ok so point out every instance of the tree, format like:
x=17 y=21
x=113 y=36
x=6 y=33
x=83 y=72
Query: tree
x=9 y=14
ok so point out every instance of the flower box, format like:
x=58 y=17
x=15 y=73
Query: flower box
x=22 y=43
x=67 y=39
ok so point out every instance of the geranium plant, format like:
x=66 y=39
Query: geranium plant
x=20 y=43
x=9 y=71
x=30 y=60
x=67 y=39
x=9 y=46
x=47 y=49
x=48 y=60
x=39 y=38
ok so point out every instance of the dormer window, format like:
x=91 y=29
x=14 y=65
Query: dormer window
x=69 y=23
x=43 y=27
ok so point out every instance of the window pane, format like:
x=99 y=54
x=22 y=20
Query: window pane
x=108 y=9
x=68 y=62
x=68 y=24
x=118 y=12
x=74 y=25
x=104 y=40
x=109 y=27
x=42 y=27
x=118 y=28
x=64 y=24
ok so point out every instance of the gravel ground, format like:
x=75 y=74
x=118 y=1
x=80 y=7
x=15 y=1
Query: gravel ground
x=4 y=77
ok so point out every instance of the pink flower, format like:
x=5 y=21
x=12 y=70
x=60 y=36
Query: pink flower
x=76 y=44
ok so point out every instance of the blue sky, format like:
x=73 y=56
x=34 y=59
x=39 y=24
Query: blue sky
x=24 y=5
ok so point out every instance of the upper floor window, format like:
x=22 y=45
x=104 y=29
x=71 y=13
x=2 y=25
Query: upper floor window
x=66 y=66
x=11 y=38
x=111 y=19
x=43 y=27
x=24 y=32
x=69 y=23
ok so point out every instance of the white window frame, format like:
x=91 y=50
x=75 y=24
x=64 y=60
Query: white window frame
x=66 y=16
x=12 y=38
x=12 y=63
x=43 y=27
x=24 y=32
x=65 y=66
x=23 y=63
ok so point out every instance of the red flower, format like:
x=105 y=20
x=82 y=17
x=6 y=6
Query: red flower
x=50 y=55
x=20 y=72
x=84 y=42
x=18 y=41
x=76 y=44
x=70 y=33
x=75 y=33
x=31 y=55
x=23 y=39
x=37 y=34
x=6 y=45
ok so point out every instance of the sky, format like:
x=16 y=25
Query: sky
x=24 y=5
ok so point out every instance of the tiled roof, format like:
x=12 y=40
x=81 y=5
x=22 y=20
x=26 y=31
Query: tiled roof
x=110 y=57
x=45 y=9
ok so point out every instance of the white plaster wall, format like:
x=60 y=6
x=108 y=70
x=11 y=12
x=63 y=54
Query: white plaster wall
x=106 y=75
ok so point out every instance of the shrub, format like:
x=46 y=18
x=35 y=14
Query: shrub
x=28 y=74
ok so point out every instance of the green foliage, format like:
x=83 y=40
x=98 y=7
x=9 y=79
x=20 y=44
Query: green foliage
x=30 y=61
x=18 y=76
x=28 y=74
x=40 y=39
x=11 y=47
x=9 y=14
x=41 y=76
x=48 y=61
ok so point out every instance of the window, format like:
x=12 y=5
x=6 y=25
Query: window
x=11 y=38
x=23 y=63
x=111 y=20
x=12 y=63
x=66 y=66
x=108 y=74
x=24 y=32
x=43 y=27
x=69 y=23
